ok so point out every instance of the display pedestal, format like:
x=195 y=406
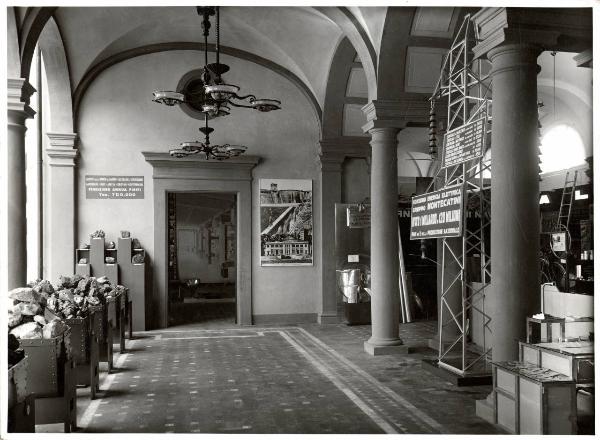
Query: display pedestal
x=357 y=313
x=133 y=277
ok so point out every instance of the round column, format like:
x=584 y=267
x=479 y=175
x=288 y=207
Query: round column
x=385 y=305
x=16 y=237
x=515 y=196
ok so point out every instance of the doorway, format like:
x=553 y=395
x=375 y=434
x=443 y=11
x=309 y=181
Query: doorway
x=202 y=257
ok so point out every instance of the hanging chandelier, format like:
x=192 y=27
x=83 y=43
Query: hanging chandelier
x=219 y=152
x=215 y=98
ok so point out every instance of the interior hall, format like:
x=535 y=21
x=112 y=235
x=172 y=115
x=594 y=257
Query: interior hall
x=278 y=219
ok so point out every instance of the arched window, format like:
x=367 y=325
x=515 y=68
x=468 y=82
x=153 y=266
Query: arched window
x=562 y=148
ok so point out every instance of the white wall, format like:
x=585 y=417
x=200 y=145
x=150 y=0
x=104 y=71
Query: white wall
x=118 y=121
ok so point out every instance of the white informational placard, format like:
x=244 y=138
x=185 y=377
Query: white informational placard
x=464 y=143
x=438 y=214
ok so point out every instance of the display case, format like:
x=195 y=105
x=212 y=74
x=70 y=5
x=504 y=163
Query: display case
x=352 y=265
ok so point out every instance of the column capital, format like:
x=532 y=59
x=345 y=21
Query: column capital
x=19 y=92
x=512 y=56
x=62 y=151
x=397 y=114
x=562 y=29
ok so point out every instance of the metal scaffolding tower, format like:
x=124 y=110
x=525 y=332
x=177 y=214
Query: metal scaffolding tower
x=464 y=323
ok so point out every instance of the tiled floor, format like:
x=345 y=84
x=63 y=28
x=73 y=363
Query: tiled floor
x=293 y=379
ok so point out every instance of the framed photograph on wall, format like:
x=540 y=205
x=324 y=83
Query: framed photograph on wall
x=286 y=222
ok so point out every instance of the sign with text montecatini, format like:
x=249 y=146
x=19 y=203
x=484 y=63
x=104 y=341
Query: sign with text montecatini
x=114 y=187
x=464 y=143
x=437 y=214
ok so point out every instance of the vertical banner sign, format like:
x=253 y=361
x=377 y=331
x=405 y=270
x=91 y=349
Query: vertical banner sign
x=438 y=214
x=114 y=187
x=464 y=143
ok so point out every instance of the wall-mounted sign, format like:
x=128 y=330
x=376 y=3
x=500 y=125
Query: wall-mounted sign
x=464 y=143
x=559 y=241
x=438 y=214
x=358 y=217
x=114 y=187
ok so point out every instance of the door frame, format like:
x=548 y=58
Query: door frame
x=196 y=174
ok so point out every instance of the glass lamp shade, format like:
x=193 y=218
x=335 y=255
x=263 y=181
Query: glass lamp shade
x=265 y=105
x=214 y=110
x=235 y=150
x=221 y=92
x=167 y=97
x=219 y=154
x=193 y=146
x=177 y=152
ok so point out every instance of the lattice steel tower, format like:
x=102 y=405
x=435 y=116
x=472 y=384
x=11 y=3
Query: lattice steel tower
x=464 y=323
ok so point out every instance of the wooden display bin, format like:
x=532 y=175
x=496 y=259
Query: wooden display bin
x=62 y=408
x=121 y=318
x=104 y=335
x=533 y=400
x=21 y=404
x=52 y=380
x=85 y=352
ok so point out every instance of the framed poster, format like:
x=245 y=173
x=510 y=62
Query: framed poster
x=286 y=222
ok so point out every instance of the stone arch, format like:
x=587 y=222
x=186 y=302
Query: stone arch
x=33 y=24
x=57 y=75
x=357 y=35
x=335 y=92
x=392 y=53
x=95 y=70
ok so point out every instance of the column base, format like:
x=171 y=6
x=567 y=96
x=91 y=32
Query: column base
x=328 y=318
x=378 y=350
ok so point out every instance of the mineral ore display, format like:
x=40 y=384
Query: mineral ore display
x=37 y=311
x=98 y=234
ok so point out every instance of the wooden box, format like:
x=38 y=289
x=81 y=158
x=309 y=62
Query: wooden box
x=533 y=400
x=573 y=359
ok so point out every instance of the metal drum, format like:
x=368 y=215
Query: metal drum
x=349 y=282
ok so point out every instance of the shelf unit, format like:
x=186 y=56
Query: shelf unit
x=122 y=271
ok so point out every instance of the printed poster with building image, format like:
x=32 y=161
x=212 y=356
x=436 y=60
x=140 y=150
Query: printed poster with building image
x=286 y=222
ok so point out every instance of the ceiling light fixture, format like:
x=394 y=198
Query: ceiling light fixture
x=216 y=97
x=219 y=152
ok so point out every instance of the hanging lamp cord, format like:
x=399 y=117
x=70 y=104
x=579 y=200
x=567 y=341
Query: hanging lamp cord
x=553 y=53
x=218 y=35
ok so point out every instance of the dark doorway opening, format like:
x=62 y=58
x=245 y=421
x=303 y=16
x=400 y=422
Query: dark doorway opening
x=201 y=232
